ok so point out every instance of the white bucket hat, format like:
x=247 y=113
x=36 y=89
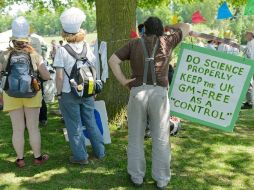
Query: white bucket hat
x=20 y=29
x=72 y=19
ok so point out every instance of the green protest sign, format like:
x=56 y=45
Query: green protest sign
x=209 y=86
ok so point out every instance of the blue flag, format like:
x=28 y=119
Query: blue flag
x=224 y=12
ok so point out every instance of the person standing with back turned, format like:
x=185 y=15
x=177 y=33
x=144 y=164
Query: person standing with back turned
x=21 y=65
x=148 y=97
x=77 y=111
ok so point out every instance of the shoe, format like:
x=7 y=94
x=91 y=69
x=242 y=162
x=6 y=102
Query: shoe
x=20 y=163
x=101 y=158
x=43 y=123
x=246 y=105
x=161 y=185
x=41 y=160
x=135 y=183
x=81 y=162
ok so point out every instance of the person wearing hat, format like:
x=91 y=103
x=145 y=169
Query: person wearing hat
x=24 y=112
x=77 y=112
x=249 y=53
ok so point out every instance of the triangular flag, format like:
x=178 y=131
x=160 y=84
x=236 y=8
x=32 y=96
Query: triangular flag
x=197 y=17
x=224 y=12
x=174 y=19
x=133 y=34
x=249 y=9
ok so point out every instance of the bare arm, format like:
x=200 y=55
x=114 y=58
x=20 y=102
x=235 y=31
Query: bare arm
x=185 y=28
x=59 y=80
x=114 y=63
x=211 y=37
x=44 y=73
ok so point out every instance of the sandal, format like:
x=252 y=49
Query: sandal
x=41 y=160
x=20 y=163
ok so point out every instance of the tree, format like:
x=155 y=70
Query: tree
x=115 y=18
x=114 y=27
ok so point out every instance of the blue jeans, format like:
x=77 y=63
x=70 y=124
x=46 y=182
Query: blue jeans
x=77 y=113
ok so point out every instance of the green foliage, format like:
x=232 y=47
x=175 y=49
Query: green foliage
x=162 y=12
x=40 y=15
x=152 y=3
x=56 y=4
x=208 y=9
x=5 y=22
x=47 y=23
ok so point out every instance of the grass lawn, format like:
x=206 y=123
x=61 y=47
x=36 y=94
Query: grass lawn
x=202 y=159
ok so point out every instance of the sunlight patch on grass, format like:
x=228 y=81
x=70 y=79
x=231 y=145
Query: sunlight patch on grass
x=202 y=159
x=99 y=170
x=3 y=155
x=45 y=176
x=11 y=178
x=237 y=149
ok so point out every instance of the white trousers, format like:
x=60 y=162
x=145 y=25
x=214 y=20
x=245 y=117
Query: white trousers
x=151 y=102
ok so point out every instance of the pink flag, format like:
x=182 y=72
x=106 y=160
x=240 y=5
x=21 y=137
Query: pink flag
x=197 y=17
x=133 y=34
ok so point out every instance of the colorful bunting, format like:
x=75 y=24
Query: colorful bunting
x=249 y=9
x=224 y=12
x=197 y=17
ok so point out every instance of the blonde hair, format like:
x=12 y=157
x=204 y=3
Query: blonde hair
x=73 y=38
x=21 y=46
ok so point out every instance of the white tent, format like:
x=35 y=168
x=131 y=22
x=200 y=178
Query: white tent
x=4 y=39
x=35 y=40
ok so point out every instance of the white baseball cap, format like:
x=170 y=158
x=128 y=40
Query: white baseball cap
x=20 y=29
x=72 y=19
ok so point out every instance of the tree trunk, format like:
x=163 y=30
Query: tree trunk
x=115 y=19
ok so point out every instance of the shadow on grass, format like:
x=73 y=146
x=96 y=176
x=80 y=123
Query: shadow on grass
x=213 y=158
x=196 y=160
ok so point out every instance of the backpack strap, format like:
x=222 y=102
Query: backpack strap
x=8 y=66
x=75 y=55
x=149 y=60
x=67 y=73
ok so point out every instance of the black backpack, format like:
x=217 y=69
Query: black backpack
x=82 y=78
x=19 y=76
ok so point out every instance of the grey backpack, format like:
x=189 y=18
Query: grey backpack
x=82 y=78
x=19 y=75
